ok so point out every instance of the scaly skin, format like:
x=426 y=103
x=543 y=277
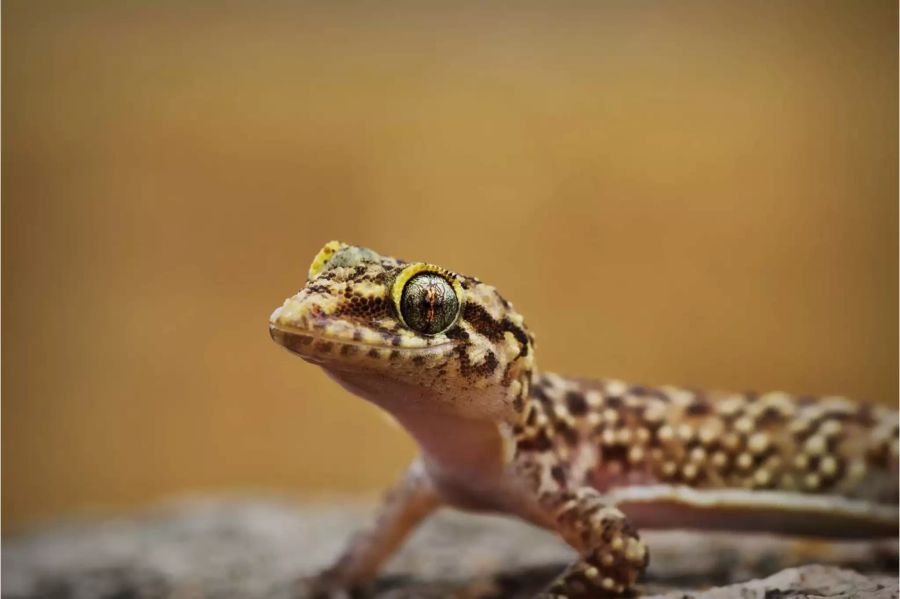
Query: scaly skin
x=588 y=459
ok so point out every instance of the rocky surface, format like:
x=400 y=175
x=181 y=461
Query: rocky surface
x=237 y=548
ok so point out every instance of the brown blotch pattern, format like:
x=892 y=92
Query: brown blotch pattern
x=716 y=440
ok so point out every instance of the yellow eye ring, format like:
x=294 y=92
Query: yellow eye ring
x=441 y=313
x=325 y=254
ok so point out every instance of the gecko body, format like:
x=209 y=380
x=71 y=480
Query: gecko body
x=454 y=363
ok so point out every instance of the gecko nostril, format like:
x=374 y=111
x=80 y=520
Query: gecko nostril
x=276 y=315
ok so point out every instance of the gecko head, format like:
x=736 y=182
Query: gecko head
x=409 y=335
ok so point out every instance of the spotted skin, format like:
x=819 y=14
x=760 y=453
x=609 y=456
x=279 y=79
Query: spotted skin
x=591 y=460
x=747 y=441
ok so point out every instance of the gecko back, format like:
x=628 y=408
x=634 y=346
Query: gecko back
x=821 y=466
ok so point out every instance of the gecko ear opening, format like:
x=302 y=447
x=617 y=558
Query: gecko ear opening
x=428 y=298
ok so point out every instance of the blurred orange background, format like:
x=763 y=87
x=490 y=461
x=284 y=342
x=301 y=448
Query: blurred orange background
x=700 y=193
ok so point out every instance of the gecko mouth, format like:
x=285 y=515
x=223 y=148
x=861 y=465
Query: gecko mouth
x=319 y=349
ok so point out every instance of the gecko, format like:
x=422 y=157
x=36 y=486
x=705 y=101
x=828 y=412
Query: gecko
x=453 y=362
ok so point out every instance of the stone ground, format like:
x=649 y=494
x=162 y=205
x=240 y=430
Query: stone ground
x=252 y=547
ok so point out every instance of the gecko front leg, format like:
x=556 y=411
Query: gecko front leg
x=402 y=509
x=612 y=555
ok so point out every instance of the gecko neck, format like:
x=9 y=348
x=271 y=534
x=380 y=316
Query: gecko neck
x=453 y=446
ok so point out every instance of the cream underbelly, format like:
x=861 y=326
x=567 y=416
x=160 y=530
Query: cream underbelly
x=660 y=506
x=667 y=506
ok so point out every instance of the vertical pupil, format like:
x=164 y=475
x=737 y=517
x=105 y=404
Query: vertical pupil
x=430 y=300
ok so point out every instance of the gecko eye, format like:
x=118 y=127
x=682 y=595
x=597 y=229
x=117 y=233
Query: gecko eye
x=428 y=303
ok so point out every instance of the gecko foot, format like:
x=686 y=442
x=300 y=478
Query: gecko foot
x=328 y=584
